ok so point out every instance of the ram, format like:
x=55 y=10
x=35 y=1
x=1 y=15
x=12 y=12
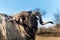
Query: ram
x=22 y=26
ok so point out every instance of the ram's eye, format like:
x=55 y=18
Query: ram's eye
x=23 y=18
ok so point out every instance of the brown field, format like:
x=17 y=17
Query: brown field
x=47 y=38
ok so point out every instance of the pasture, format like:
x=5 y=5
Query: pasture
x=47 y=38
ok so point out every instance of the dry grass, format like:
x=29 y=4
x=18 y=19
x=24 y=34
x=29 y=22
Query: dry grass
x=47 y=38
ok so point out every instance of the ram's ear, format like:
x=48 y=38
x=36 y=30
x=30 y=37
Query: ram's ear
x=16 y=18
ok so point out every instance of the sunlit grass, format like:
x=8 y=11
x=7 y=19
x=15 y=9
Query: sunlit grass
x=47 y=38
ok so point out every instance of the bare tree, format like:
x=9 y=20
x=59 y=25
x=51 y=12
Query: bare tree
x=41 y=11
x=57 y=19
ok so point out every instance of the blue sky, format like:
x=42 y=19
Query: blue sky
x=12 y=7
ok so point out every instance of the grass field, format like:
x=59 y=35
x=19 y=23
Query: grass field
x=47 y=38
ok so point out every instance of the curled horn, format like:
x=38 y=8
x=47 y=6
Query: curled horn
x=40 y=18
